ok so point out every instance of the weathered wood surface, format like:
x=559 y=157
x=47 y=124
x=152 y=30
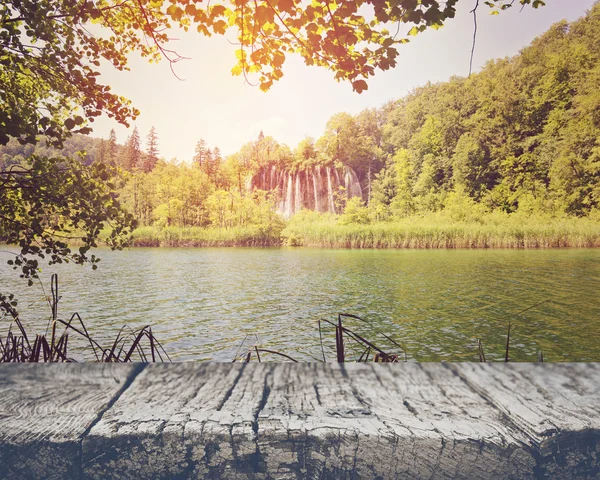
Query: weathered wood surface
x=45 y=410
x=558 y=409
x=290 y=421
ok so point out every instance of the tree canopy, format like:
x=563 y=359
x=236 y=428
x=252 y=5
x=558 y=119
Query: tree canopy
x=51 y=55
x=51 y=51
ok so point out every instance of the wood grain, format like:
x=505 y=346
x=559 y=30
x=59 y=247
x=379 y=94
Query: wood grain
x=389 y=421
x=304 y=421
x=557 y=406
x=293 y=421
x=46 y=409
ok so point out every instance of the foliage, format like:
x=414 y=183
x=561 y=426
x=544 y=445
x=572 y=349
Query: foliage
x=83 y=147
x=133 y=151
x=151 y=157
x=49 y=65
x=440 y=230
x=47 y=203
x=520 y=135
x=518 y=142
x=355 y=212
x=50 y=57
x=238 y=236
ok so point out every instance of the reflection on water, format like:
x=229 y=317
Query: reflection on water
x=437 y=303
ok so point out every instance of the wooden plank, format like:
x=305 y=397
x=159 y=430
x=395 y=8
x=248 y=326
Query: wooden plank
x=46 y=409
x=191 y=420
x=556 y=405
x=387 y=421
x=289 y=421
x=303 y=421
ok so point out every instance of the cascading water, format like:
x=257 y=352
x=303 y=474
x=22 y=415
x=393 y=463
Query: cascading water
x=313 y=188
x=298 y=194
x=288 y=209
x=331 y=203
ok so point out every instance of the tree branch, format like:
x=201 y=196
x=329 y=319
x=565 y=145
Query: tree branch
x=474 y=12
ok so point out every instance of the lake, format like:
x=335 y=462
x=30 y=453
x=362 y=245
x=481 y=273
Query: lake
x=202 y=303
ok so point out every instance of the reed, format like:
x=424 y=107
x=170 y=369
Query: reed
x=249 y=236
x=128 y=346
x=438 y=231
x=347 y=342
x=141 y=345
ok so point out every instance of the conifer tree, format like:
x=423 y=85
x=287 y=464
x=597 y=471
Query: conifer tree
x=133 y=153
x=216 y=158
x=111 y=150
x=208 y=163
x=152 y=155
x=200 y=155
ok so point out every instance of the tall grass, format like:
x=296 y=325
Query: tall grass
x=248 y=236
x=18 y=345
x=310 y=229
x=438 y=231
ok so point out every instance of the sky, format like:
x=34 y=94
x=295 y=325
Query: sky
x=211 y=104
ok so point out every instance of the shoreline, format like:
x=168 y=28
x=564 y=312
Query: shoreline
x=409 y=234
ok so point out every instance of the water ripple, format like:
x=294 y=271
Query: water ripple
x=201 y=303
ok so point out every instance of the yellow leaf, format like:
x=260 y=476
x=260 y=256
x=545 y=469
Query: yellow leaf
x=237 y=70
x=264 y=86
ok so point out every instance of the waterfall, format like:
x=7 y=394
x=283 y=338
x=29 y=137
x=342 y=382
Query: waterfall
x=288 y=210
x=281 y=195
x=337 y=178
x=314 y=177
x=298 y=196
x=307 y=195
x=352 y=184
x=330 y=191
x=311 y=188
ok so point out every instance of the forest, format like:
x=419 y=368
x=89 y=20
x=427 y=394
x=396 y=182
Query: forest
x=508 y=157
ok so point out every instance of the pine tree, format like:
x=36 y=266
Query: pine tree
x=152 y=155
x=208 y=164
x=134 y=152
x=200 y=155
x=216 y=158
x=111 y=150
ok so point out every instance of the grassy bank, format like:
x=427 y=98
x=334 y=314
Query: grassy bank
x=437 y=231
x=250 y=236
x=433 y=231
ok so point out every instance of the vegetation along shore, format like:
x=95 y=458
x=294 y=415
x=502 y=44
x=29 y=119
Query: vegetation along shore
x=326 y=231
x=508 y=157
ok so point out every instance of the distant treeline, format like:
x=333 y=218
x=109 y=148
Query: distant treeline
x=522 y=137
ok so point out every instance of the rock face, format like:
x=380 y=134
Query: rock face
x=315 y=188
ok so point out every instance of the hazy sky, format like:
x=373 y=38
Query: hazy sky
x=212 y=104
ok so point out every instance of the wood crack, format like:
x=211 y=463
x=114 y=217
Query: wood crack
x=230 y=391
x=137 y=369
